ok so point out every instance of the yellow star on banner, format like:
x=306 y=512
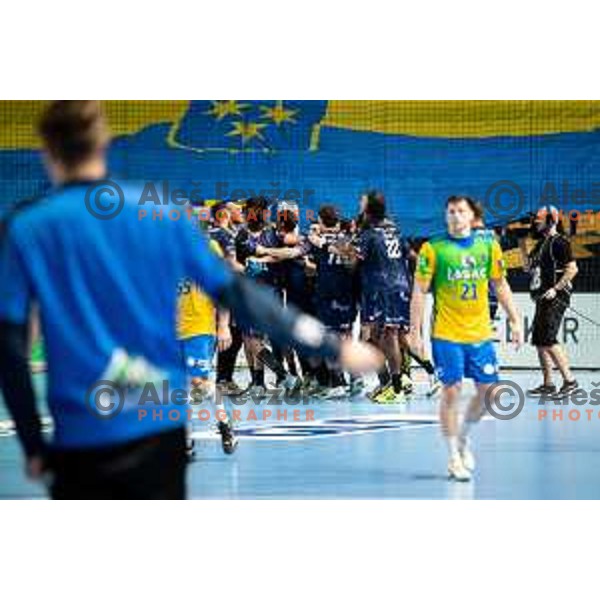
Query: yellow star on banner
x=278 y=114
x=247 y=131
x=224 y=108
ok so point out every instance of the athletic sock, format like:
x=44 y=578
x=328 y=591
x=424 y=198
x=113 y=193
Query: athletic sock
x=397 y=382
x=307 y=368
x=424 y=362
x=337 y=378
x=384 y=376
x=465 y=430
x=258 y=377
x=428 y=366
x=291 y=363
x=323 y=375
x=452 y=442
x=271 y=360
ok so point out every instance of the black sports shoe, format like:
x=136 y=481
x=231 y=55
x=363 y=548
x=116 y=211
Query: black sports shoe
x=228 y=439
x=542 y=390
x=568 y=387
x=189 y=449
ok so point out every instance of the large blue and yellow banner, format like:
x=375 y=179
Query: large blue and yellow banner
x=513 y=155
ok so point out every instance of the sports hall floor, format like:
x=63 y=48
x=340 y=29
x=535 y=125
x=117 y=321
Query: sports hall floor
x=355 y=449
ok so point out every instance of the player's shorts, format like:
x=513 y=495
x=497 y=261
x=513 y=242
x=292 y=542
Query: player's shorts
x=454 y=361
x=335 y=314
x=390 y=307
x=547 y=319
x=197 y=355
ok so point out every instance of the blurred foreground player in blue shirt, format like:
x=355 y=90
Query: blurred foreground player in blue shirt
x=105 y=282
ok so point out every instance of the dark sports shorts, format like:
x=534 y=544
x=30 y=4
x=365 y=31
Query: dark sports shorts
x=389 y=307
x=336 y=314
x=151 y=468
x=547 y=319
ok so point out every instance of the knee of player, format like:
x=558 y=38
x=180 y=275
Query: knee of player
x=451 y=392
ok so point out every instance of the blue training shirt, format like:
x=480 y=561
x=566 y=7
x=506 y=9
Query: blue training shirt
x=102 y=286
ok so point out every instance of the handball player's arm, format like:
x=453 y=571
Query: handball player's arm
x=252 y=304
x=223 y=329
x=235 y=265
x=17 y=388
x=229 y=255
x=506 y=301
x=417 y=312
x=504 y=293
x=15 y=375
x=277 y=254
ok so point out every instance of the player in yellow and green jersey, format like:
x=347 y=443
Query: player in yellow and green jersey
x=200 y=327
x=458 y=268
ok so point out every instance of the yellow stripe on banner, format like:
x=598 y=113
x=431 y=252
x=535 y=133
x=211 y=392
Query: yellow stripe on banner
x=18 y=118
x=424 y=118
x=464 y=118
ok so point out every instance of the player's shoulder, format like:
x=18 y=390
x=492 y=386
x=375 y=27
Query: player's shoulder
x=384 y=227
x=370 y=232
x=435 y=243
x=214 y=232
x=389 y=224
x=20 y=211
x=561 y=240
x=562 y=244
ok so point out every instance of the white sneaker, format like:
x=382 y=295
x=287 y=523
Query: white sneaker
x=457 y=470
x=201 y=392
x=407 y=384
x=467 y=457
x=255 y=392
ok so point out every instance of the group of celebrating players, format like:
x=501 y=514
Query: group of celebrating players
x=339 y=270
x=362 y=270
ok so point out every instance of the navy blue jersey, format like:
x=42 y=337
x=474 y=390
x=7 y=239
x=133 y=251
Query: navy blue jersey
x=298 y=285
x=243 y=249
x=384 y=259
x=246 y=245
x=335 y=275
x=226 y=240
